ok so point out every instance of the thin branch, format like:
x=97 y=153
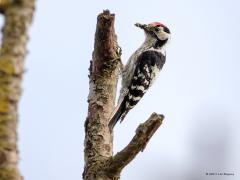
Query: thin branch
x=143 y=134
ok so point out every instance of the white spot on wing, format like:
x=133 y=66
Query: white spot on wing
x=147 y=70
x=130 y=107
x=127 y=105
x=141 y=75
x=146 y=82
x=136 y=98
x=133 y=87
x=140 y=88
x=130 y=96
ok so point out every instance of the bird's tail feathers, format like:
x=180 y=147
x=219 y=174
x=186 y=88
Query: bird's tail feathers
x=117 y=114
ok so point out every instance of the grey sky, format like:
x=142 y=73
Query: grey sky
x=197 y=91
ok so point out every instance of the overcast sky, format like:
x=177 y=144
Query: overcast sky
x=197 y=90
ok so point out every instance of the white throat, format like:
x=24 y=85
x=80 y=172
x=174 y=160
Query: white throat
x=150 y=42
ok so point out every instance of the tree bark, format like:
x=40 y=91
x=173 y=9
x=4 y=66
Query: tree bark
x=18 y=16
x=100 y=164
x=103 y=82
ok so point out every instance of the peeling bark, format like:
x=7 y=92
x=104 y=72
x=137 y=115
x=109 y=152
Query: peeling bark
x=100 y=164
x=18 y=17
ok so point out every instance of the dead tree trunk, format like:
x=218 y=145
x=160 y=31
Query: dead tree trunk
x=18 y=16
x=100 y=163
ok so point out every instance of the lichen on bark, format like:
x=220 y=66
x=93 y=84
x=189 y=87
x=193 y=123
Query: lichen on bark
x=18 y=17
x=102 y=92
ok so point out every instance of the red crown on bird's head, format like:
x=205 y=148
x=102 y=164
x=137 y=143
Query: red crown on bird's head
x=157 y=24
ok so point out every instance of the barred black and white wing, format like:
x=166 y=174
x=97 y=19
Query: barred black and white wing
x=148 y=64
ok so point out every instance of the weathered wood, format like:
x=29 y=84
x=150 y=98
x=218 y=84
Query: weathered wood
x=143 y=134
x=103 y=82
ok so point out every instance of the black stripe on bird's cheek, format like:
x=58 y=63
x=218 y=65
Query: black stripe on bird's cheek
x=165 y=29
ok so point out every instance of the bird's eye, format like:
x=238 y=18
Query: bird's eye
x=157 y=29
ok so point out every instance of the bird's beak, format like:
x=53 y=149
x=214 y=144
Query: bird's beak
x=142 y=26
x=147 y=28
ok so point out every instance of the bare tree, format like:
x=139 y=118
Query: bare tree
x=18 y=16
x=100 y=163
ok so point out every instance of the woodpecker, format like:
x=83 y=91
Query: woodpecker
x=141 y=69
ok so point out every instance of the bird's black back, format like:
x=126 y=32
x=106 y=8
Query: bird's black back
x=143 y=75
x=148 y=62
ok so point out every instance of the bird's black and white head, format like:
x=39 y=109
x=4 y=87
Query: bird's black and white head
x=157 y=34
